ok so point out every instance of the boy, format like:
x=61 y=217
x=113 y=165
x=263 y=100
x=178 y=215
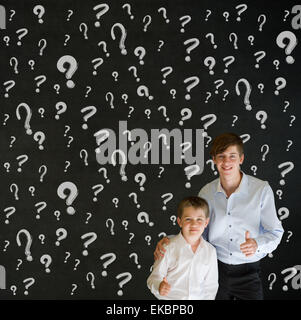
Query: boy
x=244 y=226
x=188 y=269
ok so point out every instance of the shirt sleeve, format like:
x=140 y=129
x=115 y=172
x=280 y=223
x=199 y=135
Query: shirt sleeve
x=271 y=230
x=202 y=194
x=211 y=278
x=160 y=268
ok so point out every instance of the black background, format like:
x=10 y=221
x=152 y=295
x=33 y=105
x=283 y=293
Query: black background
x=58 y=283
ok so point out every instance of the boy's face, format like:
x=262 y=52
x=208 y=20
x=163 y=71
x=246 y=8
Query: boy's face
x=193 y=222
x=228 y=163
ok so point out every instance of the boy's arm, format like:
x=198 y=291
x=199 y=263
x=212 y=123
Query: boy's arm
x=271 y=227
x=203 y=194
x=160 y=268
x=211 y=278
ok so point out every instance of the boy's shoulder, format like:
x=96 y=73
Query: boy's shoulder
x=208 y=245
x=256 y=181
x=175 y=242
x=256 y=185
x=209 y=187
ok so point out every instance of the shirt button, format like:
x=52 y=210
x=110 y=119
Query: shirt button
x=229 y=225
x=230 y=254
x=231 y=239
x=229 y=213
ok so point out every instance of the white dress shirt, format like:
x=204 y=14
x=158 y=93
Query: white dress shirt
x=251 y=207
x=192 y=276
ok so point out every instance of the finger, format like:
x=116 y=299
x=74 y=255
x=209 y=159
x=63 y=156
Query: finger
x=165 y=285
x=249 y=254
x=161 y=248
x=158 y=254
x=247 y=235
x=166 y=288
x=165 y=240
x=246 y=245
x=161 y=243
x=248 y=251
x=247 y=248
x=162 y=293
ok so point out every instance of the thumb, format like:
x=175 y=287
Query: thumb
x=165 y=280
x=248 y=235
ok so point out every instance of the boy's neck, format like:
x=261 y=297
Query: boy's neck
x=231 y=184
x=195 y=245
x=194 y=242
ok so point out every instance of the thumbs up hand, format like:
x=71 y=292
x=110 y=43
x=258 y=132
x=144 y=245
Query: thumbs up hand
x=249 y=247
x=164 y=287
x=248 y=235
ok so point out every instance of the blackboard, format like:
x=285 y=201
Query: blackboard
x=70 y=69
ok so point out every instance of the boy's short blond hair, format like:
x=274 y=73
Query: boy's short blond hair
x=195 y=202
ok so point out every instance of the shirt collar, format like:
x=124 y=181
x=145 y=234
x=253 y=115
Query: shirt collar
x=182 y=242
x=242 y=188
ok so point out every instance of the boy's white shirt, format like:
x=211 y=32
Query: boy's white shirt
x=192 y=276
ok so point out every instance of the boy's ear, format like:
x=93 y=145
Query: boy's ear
x=179 y=222
x=206 y=223
x=214 y=159
x=242 y=157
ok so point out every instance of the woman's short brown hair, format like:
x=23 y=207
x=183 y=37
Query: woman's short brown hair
x=195 y=202
x=225 y=140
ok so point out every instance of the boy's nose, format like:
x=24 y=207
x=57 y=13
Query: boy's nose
x=226 y=160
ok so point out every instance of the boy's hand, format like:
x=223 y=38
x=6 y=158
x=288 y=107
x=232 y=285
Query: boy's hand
x=164 y=287
x=249 y=247
x=159 y=251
